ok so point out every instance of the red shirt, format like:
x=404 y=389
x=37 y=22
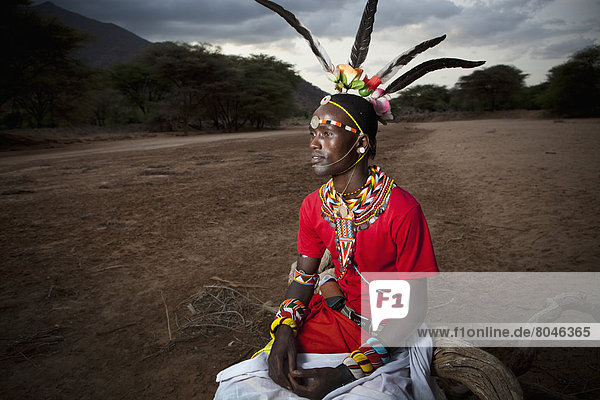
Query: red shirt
x=397 y=241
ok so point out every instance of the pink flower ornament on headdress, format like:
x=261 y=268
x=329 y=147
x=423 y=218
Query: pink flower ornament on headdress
x=382 y=105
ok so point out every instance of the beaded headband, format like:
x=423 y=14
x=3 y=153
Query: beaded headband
x=350 y=76
x=316 y=121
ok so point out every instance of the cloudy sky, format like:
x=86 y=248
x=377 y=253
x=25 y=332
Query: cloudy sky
x=533 y=35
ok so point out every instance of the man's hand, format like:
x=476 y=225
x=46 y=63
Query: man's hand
x=283 y=350
x=315 y=383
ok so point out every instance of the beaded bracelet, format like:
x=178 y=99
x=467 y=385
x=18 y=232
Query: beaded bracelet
x=292 y=308
x=303 y=278
x=291 y=312
x=371 y=355
x=284 y=321
x=353 y=367
x=363 y=362
x=383 y=352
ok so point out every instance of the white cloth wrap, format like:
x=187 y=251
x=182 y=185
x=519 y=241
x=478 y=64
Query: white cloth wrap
x=406 y=376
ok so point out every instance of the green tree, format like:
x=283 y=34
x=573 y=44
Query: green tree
x=40 y=79
x=177 y=85
x=137 y=84
x=421 y=98
x=104 y=104
x=574 y=87
x=188 y=71
x=267 y=89
x=534 y=96
x=499 y=87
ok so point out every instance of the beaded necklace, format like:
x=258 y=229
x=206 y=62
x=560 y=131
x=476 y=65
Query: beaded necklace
x=363 y=210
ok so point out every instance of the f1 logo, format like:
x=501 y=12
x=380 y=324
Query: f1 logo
x=397 y=297
x=389 y=299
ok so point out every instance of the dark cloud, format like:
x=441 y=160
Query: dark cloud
x=183 y=19
x=515 y=27
x=152 y=11
x=492 y=20
x=245 y=21
x=562 y=49
x=505 y=29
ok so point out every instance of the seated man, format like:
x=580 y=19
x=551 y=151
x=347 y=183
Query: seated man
x=369 y=225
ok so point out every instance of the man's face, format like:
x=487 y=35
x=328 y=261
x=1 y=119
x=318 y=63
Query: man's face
x=330 y=143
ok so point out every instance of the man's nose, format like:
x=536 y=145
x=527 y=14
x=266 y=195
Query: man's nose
x=315 y=142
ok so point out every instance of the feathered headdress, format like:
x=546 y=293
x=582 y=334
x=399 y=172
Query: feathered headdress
x=350 y=76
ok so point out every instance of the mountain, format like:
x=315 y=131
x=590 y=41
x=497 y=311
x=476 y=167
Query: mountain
x=308 y=96
x=109 y=44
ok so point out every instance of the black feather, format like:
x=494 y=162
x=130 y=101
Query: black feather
x=426 y=67
x=388 y=72
x=363 y=36
x=291 y=19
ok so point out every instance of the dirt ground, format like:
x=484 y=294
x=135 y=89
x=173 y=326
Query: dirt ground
x=94 y=235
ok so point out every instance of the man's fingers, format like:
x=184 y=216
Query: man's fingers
x=279 y=378
x=297 y=387
x=276 y=373
x=305 y=373
x=300 y=373
x=282 y=381
x=291 y=360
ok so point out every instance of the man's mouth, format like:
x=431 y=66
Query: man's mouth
x=316 y=158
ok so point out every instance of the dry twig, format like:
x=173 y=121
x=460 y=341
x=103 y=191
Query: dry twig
x=167 y=312
x=111 y=267
x=236 y=284
x=33 y=344
x=50 y=291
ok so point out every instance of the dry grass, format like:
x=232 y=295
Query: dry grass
x=220 y=307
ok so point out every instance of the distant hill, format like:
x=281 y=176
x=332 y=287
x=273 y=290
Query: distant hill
x=308 y=96
x=110 y=44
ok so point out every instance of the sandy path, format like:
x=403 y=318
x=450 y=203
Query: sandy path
x=93 y=148
x=534 y=185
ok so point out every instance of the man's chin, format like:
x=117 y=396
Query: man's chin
x=320 y=170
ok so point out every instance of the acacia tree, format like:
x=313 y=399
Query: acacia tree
x=225 y=100
x=499 y=87
x=267 y=89
x=422 y=98
x=40 y=77
x=136 y=83
x=574 y=87
x=188 y=71
x=197 y=81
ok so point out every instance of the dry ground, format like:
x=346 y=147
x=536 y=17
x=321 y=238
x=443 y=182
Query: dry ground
x=92 y=234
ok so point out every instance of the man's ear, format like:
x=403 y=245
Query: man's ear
x=363 y=142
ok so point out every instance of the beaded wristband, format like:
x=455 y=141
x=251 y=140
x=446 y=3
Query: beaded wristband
x=371 y=355
x=292 y=308
x=383 y=352
x=303 y=278
x=363 y=362
x=284 y=321
x=353 y=367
